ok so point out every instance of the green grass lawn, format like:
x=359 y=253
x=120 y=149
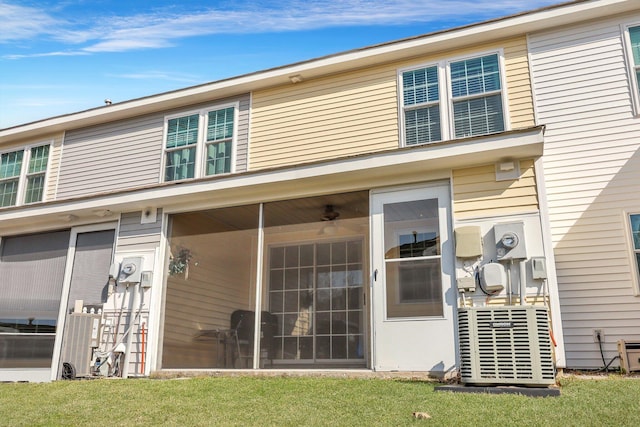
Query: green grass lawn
x=307 y=401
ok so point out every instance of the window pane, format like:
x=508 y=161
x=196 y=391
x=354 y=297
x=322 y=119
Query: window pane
x=414 y=288
x=635 y=230
x=8 y=193
x=220 y=124
x=182 y=131
x=35 y=189
x=475 y=76
x=39 y=159
x=11 y=164
x=412 y=259
x=218 y=158
x=411 y=229
x=478 y=116
x=422 y=125
x=634 y=34
x=180 y=164
x=420 y=86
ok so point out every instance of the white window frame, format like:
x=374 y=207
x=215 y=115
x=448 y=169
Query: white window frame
x=503 y=89
x=24 y=172
x=446 y=100
x=631 y=66
x=442 y=101
x=201 y=144
x=633 y=251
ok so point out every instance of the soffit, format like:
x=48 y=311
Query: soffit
x=358 y=173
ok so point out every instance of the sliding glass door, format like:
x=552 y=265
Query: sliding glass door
x=316 y=289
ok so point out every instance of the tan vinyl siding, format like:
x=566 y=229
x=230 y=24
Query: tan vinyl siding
x=518 y=84
x=357 y=112
x=127 y=154
x=476 y=193
x=327 y=118
x=591 y=164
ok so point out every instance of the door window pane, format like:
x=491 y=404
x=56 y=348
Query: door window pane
x=413 y=273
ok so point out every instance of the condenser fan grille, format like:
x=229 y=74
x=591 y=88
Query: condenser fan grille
x=505 y=345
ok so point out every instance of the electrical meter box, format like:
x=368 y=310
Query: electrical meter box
x=510 y=242
x=468 y=242
x=130 y=271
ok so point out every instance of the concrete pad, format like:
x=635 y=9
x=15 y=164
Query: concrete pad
x=525 y=391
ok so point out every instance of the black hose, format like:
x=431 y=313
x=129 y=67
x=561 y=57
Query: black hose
x=606 y=365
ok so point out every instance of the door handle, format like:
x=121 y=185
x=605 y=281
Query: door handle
x=375 y=275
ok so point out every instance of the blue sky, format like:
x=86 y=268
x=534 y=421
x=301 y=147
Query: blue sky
x=60 y=57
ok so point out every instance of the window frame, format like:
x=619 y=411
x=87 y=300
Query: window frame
x=24 y=175
x=631 y=66
x=446 y=100
x=440 y=102
x=201 y=140
x=633 y=251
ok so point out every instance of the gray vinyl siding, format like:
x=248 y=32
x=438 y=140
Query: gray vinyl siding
x=127 y=154
x=135 y=236
x=592 y=172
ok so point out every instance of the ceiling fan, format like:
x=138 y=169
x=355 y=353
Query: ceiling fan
x=329 y=213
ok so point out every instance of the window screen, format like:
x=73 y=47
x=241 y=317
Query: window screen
x=32 y=273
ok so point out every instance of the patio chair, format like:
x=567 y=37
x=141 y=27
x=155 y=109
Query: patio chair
x=242 y=336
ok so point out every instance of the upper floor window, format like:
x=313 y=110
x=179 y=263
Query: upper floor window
x=471 y=105
x=634 y=40
x=199 y=144
x=476 y=96
x=421 y=100
x=22 y=175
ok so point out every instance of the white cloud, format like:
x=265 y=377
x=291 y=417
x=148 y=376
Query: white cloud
x=164 y=27
x=21 y=22
x=38 y=55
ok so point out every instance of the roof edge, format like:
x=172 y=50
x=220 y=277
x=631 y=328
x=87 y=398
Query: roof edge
x=520 y=23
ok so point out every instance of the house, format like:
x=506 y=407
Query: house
x=585 y=80
x=348 y=207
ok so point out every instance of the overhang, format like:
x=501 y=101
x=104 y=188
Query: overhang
x=362 y=172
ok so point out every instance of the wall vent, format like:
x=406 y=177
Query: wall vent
x=505 y=345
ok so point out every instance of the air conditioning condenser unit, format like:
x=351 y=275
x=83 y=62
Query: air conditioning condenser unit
x=507 y=345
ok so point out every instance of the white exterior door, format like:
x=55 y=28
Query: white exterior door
x=413 y=298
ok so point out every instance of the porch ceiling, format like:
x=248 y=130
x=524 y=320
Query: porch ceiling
x=363 y=172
